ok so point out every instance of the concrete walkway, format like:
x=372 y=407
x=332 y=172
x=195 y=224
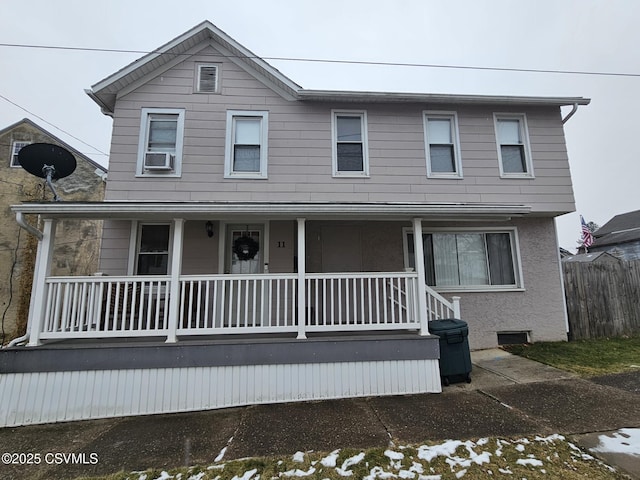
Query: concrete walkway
x=509 y=396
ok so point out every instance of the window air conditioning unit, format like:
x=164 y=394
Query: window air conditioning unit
x=158 y=161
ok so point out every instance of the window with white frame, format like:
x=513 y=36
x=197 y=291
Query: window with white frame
x=153 y=249
x=349 y=138
x=207 y=78
x=161 y=138
x=15 y=149
x=468 y=259
x=513 y=145
x=246 y=151
x=442 y=145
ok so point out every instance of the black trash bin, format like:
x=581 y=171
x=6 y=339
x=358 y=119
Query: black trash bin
x=455 y=359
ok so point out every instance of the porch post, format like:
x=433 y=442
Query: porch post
x=422 y=281
x=176 y=268
x=39 y=287
x=302 y=298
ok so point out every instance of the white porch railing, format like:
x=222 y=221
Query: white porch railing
x=361 y=301
x=98 y=307
x=85 y=307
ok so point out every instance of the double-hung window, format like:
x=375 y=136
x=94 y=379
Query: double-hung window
x=513 y=145
x=153 y=249
x=15 y=149
x=442 y=145
x=468 y=259
x=160 y=146
x=349 y=138
x=246 y=150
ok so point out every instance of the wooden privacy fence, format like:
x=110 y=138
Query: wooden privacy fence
x=603 y=299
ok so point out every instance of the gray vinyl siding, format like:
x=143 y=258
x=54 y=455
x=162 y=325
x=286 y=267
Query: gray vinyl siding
x=299 y=163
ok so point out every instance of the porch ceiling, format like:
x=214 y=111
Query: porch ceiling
x=221 y=210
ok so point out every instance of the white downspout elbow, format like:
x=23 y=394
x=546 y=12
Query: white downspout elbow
x=29 y=228
x=570 y=114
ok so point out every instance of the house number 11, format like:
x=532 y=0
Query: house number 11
x=281 y=245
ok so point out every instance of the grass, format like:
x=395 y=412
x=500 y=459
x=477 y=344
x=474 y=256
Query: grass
x=587 y=358
x=532 y=458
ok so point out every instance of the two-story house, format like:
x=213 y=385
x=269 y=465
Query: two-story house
x=267 y=243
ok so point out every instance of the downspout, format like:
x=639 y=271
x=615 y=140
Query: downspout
x=29 y=228
x=570 y=114
x=38 y=234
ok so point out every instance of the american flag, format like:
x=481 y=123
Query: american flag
x=587 y=236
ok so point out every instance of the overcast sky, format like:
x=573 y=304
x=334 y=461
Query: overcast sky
x=569 y=35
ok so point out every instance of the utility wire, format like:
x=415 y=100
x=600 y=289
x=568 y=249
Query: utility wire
x=54 y=126
x=345 y=62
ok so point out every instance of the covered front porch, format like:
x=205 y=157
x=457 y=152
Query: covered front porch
x=254 y=296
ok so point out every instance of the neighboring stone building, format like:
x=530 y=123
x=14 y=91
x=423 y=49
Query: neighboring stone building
x=77 y=242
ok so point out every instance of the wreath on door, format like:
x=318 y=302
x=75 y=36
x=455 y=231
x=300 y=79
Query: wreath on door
x=245 y=247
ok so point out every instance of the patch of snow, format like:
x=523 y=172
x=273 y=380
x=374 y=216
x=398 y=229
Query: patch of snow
x=379 y=473
x=520 y=448
x=220 y=455
x=198 y=476
x=344 y=470
x=406 y=474
x=534 y=462
x=246 y=476
x=393 y=455
x=505 y=471
x=164 y=476
x=298 y=457
x=445 y=449
x=298 y=473
x=625 y=440
x=330 y=460
x=461 y=473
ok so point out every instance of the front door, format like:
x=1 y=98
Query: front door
x=245 y=249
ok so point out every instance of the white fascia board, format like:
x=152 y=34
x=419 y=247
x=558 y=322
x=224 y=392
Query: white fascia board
x=133 y=210
x=353 y=96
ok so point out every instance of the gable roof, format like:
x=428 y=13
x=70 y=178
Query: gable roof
x=105 y=92
x=62 y=143
x=590 y=257
x=620 y=229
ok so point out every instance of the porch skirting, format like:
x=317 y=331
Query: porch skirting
x=31 y=395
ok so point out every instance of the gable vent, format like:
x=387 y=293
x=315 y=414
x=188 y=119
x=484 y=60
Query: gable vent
x=207 y=78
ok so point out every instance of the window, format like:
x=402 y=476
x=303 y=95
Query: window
x=161 y=137
x=482 y=260
x=17 y=146
x=207 y=78
x=246 y=144
x=442 y=145
x=153 y=249
x=350 y=152
x=513 y=145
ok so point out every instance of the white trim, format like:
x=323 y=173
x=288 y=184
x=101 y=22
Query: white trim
x=524 y=132
x=264 y=147
x=13 y=152
x=402 y=210
x=145 y=117
x=515 y=256
x=455 y=139
x=365 y=143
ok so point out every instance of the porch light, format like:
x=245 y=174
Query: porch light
x=209 y=228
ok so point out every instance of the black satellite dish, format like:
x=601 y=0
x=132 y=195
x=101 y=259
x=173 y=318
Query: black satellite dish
x=47 y=161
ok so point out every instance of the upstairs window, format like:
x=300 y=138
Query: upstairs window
x=15 y=149
x=207 y=79
x=153 y=249
x=246 y=151
x=513 y=145
x=161 y=137
x=350 y=151
x=442 y=145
